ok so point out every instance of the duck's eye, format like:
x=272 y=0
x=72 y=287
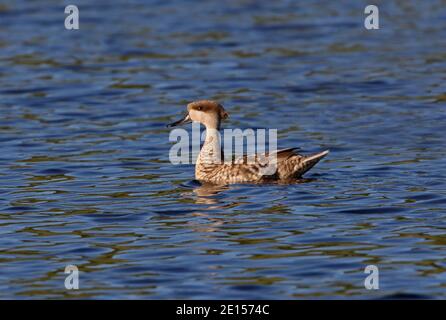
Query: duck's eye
x=200 y=108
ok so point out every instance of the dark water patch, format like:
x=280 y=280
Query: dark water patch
x=174 y=212
x=191 y=184
x=424 y=196
x=112 y=218
x=441 y=201
x=85 y=251
x=380 y=210
x=20 y=208
x=54 y=172
x=25 y=90
x=245 y=287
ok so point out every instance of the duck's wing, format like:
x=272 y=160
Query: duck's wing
x=296 y=166
x=282 y=155
x=311 y=160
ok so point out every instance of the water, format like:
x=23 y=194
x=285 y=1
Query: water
x=85 y=177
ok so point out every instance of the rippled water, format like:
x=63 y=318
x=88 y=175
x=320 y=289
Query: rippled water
x=85 y=177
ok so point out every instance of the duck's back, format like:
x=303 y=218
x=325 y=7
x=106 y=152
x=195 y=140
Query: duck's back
x=254 y=169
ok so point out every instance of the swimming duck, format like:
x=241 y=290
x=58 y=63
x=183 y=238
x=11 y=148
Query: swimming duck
x=210 y=167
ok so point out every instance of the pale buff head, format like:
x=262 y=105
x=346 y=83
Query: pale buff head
x=207 y=112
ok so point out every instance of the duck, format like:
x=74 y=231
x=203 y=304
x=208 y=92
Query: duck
x=210 y=166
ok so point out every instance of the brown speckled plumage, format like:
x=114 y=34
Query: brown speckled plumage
x=211 y=168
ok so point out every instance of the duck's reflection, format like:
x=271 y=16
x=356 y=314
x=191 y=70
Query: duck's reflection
x=207 y=193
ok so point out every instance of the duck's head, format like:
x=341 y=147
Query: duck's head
x=207 y=112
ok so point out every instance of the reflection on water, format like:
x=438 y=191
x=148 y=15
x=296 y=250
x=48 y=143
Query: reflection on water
x=84 y=171
x=207 y=193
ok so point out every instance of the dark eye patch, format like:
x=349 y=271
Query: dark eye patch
x=201 y=108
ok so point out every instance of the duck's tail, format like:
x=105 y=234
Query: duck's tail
x=310 y=161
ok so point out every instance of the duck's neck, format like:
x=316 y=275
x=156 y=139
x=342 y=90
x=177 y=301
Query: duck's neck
x=210 y=153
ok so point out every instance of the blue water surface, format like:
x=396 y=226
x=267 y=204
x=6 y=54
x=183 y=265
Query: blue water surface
x=85 y=177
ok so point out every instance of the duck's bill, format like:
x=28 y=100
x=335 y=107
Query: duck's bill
x=185 y=120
